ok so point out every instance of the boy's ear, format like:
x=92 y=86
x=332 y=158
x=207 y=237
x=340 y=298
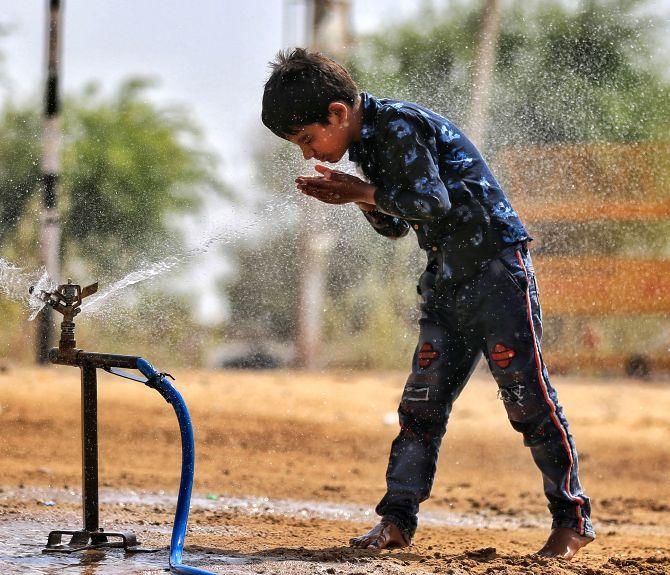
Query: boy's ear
x=338 y=113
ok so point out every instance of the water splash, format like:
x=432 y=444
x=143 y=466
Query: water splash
x=157 y=268
x=152 y=270
x=15 y=282
x=44 y=283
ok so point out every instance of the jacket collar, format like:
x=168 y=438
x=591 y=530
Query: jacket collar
x=369 y=106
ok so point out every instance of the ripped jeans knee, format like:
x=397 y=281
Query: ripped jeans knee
x=527 y=407
x=421 y=412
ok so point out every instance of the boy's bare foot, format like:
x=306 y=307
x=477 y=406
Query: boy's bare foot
x=384 y=535
x=563 y=542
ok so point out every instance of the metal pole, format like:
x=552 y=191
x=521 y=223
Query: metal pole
x=89 y=446
x=49 y=223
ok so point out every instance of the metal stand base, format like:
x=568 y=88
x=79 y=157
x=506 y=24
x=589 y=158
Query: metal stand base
x=83 y=540
x=67 y=299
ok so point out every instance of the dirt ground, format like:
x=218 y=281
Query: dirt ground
x=297 y=440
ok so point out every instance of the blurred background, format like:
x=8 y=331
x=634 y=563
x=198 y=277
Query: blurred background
x=167 y=189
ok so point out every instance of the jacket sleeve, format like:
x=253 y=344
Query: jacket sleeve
x=410 y=186
x=386 y=225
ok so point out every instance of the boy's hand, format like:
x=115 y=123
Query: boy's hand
x=335 y=187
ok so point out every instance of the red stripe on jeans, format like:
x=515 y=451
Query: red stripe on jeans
x=550 y=403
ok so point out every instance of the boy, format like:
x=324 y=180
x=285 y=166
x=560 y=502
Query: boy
x=478 y=292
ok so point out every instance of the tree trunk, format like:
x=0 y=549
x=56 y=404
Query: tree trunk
x=331 y=33
x=483 y=73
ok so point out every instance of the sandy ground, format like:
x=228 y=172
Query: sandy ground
x=296 y=438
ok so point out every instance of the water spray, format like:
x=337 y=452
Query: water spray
x=67 y=299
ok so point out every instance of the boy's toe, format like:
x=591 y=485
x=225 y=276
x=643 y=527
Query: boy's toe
x=382 y=536
x=358 y=542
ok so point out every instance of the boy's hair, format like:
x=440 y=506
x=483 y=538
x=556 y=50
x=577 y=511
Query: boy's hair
x=301 y=87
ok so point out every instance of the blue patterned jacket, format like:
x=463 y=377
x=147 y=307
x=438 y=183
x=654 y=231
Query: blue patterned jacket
x=431 y=178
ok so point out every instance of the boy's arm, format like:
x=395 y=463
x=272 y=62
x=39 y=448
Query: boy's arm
x=386 y=225
x=410 y=186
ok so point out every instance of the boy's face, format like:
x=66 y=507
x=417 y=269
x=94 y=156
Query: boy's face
x=326 y=142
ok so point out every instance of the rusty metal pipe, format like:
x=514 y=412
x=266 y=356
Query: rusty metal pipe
x=79 y=358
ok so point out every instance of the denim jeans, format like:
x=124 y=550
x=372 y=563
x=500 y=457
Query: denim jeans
x=495 y=313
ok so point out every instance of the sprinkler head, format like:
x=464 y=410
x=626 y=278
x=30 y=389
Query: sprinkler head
x=66 y=299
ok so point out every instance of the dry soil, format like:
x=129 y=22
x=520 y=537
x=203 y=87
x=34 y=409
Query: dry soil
x=310 y=439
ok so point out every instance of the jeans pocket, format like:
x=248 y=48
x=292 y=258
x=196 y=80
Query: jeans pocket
x=515 y=268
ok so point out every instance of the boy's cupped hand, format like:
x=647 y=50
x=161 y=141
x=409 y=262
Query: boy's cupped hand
x=336 y=187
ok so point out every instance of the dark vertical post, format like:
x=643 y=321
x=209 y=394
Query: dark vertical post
x=89 y=446
x=49 y=224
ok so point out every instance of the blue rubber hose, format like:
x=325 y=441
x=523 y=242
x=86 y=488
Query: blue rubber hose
x=160 y=383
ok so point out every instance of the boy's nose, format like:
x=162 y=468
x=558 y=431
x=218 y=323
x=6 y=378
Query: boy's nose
x=307 y=154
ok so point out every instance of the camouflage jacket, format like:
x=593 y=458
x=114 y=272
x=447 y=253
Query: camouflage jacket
x=431 y=178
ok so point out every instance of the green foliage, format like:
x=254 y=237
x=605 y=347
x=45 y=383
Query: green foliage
x=370 y=319
x=424 y=60
x=561 y=75
x=264 y=294
x=645 y=240
x=19 y=164
x=588 y=75
x=127 y=165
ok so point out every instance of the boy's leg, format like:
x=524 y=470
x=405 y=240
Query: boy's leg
x=442 y=364
x=511 y=321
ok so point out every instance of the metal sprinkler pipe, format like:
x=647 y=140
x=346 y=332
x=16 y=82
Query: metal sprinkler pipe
x=67 y=299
